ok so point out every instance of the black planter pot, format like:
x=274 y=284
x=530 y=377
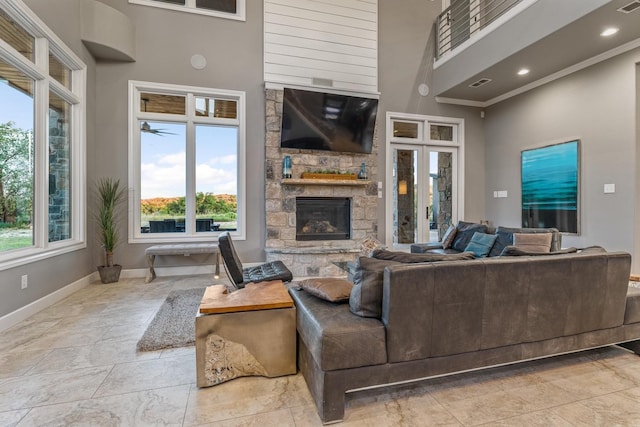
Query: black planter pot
x=109 y=274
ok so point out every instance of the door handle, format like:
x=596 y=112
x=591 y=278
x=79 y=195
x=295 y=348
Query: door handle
x=427 y=209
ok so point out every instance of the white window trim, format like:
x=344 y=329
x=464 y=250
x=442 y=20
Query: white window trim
x=135 y=88
x=190 y=7
x=39 y=71
x=424 y=138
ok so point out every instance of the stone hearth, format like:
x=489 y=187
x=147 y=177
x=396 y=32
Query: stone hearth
x=313 y=258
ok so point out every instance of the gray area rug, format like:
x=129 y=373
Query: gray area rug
x=174 y=323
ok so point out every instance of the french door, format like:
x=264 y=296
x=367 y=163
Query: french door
x=423 y=180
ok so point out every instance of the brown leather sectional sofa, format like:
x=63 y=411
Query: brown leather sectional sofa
x=446 y=317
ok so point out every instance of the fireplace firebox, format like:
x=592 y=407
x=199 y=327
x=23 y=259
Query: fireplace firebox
x=323 y=218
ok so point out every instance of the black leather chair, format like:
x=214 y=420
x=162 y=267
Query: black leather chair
x=275 y=270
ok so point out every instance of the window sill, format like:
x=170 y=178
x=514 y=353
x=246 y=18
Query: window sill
x=32 y=255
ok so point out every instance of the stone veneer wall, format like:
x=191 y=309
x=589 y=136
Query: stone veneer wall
x=313 y=258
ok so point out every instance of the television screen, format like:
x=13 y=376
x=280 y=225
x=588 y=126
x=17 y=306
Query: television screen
x=326 y=121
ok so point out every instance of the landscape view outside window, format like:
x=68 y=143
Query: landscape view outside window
x=163 y=178
x=16 y=160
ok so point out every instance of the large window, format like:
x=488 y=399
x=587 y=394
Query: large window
x=41 y=141
x=231 y=9
x=186 y=162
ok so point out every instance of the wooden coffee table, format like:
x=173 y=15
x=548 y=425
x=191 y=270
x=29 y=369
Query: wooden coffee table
x=251 y=331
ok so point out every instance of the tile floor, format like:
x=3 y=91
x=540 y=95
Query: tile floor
x=75 y=364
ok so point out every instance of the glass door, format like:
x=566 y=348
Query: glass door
x=424 y=188
x=425 y=172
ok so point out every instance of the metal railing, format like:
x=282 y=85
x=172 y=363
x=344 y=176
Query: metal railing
x=465 y=18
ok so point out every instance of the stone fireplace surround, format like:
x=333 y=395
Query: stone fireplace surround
x=313 y=258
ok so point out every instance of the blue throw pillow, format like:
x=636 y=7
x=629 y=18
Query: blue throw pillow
x=481 y=244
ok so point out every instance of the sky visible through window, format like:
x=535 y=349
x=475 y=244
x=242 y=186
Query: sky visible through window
x=16 y=107
x=163 y=160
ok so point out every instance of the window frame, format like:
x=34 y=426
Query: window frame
x=46 y=42
x=190 y=7
x=190 y=120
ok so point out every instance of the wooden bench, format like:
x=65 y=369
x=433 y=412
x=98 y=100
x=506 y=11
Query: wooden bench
x=185 y=249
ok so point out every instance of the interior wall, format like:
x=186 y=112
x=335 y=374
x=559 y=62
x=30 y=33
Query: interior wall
x=597 y=105
x=406 y=42
x=52 y=274
x=636 y=251
x=165 y=42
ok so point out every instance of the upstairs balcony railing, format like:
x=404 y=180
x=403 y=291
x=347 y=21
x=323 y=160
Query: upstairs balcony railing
x=464 y=19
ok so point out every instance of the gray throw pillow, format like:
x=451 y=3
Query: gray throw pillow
x=405 y=257
x=464 y=233
x=366 y=295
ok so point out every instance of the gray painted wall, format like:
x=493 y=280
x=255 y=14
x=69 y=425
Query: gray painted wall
x=405 y=58
x=234 y=53
x=52 y=274
x=598 y=105
x=233 y=50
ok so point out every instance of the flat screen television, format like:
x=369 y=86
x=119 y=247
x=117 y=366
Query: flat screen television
x=327 y=121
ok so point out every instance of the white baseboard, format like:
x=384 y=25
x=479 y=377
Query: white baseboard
x=8 y=320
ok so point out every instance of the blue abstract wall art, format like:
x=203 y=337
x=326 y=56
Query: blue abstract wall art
x=550 y=187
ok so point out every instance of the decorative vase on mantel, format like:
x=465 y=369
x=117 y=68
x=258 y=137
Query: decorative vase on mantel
x=363 y=171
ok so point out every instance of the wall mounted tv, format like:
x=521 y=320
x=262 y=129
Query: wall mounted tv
x=327 y=121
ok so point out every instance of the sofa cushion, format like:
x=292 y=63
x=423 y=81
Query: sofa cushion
x=515 y=251
x=464 y=233
x=447 y=238
x=539 y=242
x=336 y=338
x=366 y=295
x=632 y=311
x=407 y=258
x=481 y=244
x=331 y=289
x=505 y=238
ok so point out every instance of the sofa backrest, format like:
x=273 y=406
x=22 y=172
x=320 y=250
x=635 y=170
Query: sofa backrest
x=439 y=309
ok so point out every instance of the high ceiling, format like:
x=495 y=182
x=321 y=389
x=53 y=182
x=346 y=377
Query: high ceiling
x=572 y=44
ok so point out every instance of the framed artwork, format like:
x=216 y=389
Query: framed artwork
x=551 y=186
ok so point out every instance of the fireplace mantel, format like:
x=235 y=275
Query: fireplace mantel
x=308 y=181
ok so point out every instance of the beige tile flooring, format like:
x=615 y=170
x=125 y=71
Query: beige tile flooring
x=75 y=364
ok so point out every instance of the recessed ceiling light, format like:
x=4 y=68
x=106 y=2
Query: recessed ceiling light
x=523 y=71
x=609 y=32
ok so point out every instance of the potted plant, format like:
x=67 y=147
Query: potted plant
x=110 y=194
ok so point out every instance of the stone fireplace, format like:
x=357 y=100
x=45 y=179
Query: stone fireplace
x=317 y=256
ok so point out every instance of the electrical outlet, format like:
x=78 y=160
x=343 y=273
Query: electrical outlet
x=24 y=281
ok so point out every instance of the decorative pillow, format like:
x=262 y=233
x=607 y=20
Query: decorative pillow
x=481 y=244
x=515 y=251
x=368 y=245
x=447 y=238
x=366 y=295
x=328 y=288
x=540 y=242
x=505 y=238
x=464 y=233
x=405 y=257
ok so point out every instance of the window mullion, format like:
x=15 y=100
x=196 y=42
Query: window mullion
x=190 y=197
x=41 y=143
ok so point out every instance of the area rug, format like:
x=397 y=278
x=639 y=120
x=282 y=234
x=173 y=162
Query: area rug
x=174 y=323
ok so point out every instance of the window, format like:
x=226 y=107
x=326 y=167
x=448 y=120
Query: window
x=186 y=166
x=231 y=9
x=41 y=135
